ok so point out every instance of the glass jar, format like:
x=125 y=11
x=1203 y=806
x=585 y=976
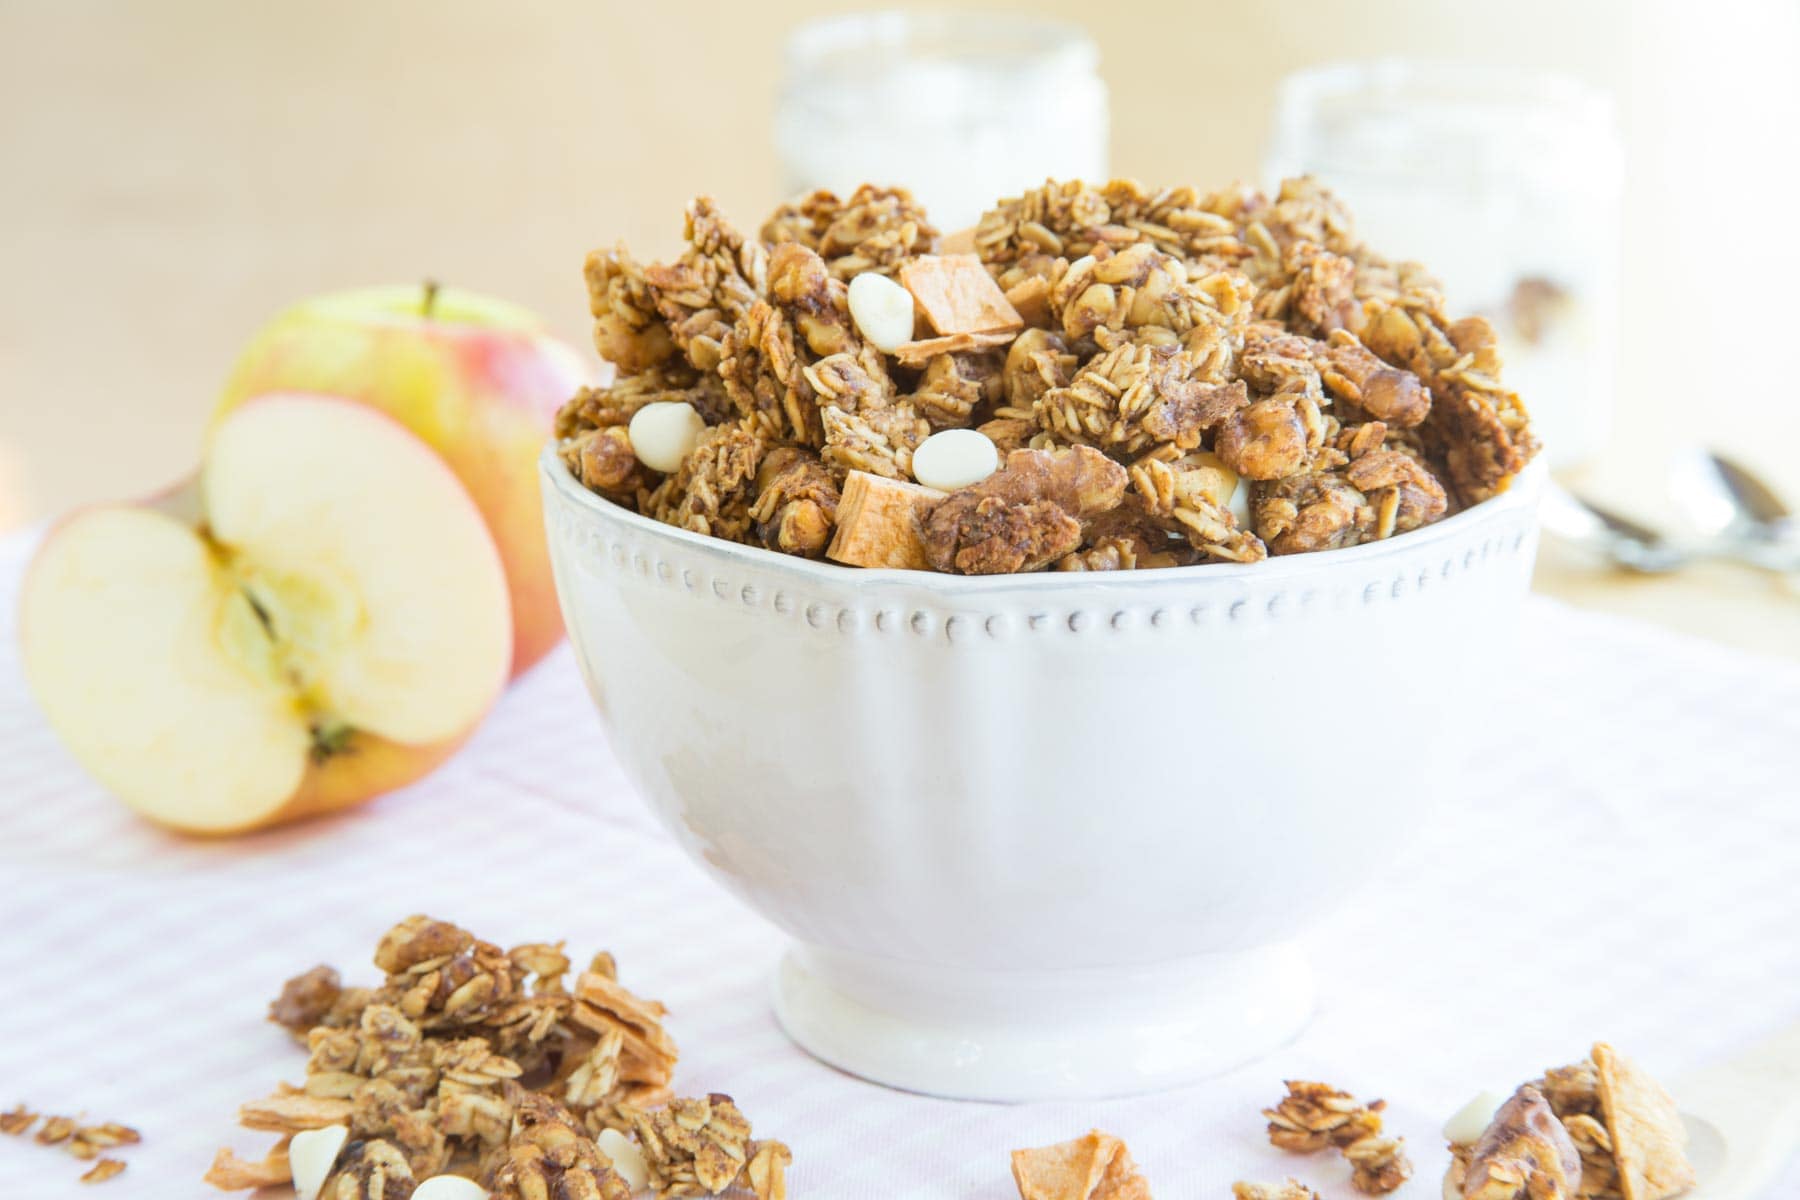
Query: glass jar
x=961 y=108
x=1506 y=185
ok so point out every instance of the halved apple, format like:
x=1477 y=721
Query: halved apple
x=478 y=379
x=328 y=622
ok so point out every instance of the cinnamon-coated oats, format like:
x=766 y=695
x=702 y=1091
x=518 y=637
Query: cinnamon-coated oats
x=1314 y=1115
x=473 y=1060
x=1155 y=323
x=103 y=1170
x=1290 y=1189
x=85 y=1142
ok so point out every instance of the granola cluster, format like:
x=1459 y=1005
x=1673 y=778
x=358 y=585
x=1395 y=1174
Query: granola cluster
x=86 y=1142
x=1599 y=1129
x=488 y=1063
x=1315 y=1116
x=1262 y=380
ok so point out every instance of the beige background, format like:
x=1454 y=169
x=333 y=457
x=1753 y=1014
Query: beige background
x=175 y=172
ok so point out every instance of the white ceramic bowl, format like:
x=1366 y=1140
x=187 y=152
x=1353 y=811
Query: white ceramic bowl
x=1039 y=835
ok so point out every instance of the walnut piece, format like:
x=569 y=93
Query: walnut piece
x=305 y=999
x=1024 y=516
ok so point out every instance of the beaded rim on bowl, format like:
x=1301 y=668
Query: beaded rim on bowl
x=1520 y=500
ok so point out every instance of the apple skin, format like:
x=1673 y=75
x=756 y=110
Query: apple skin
x=377 y=767
x=372 y=765
x=479 y=380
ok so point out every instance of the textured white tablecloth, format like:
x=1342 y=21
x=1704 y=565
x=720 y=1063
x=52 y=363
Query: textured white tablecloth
x=1623 y=864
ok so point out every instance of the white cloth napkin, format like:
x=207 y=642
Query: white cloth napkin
x=1621 y=863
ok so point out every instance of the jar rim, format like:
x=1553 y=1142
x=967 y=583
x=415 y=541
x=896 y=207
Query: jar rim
x=1025 y=40
x=1445 y=83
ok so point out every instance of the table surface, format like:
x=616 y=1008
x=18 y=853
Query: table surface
x=1616 y=863
x=192 y=169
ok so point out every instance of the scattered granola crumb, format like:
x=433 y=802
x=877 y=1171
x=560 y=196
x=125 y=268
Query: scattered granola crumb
x=1289 y=1189
x=89 y=1140
x=1314 y=1115
x=703 y=1146
x=1095 y=1166
x=56 y=1129
x=84 y=1142
x=103 y=1170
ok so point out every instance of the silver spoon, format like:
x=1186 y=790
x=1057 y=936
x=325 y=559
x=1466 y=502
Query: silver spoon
x=1611 y=535
x=1730 y=504
x=1743 y=1118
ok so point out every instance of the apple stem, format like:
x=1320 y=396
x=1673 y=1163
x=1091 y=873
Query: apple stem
x=431 y=291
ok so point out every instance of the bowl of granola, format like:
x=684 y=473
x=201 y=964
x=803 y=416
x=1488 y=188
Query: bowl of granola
x=1044 y=768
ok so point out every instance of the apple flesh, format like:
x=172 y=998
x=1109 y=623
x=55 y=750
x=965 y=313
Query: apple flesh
x=333 y=627
x=477 y=378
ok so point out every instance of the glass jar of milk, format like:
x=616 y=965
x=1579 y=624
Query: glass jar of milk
x=961 y=108
x=1506 y=184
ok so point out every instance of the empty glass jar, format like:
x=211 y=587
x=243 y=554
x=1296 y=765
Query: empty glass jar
x=962 y=108
x=1506 y=185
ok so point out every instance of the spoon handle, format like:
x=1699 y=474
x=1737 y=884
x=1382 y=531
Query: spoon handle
x=1754 y=1100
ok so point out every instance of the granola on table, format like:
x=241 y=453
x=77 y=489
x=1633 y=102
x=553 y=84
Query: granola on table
x=1599 y=1129
x=1095 y=1166
x=83 y=1141
x=488 y=1063
x=1266 y=382
x=1314 y=1116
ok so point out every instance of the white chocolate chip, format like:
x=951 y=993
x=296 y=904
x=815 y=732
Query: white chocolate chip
x=954 y=459
x=1239 y=504
x=627 y=1159
x=1472 y=1119
x=882 y=310
x=1231 y=493
x=662 y=433
x=449 y=1187
x=311 y=1155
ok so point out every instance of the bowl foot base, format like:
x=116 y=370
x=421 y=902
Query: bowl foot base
x=1041 y=1034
